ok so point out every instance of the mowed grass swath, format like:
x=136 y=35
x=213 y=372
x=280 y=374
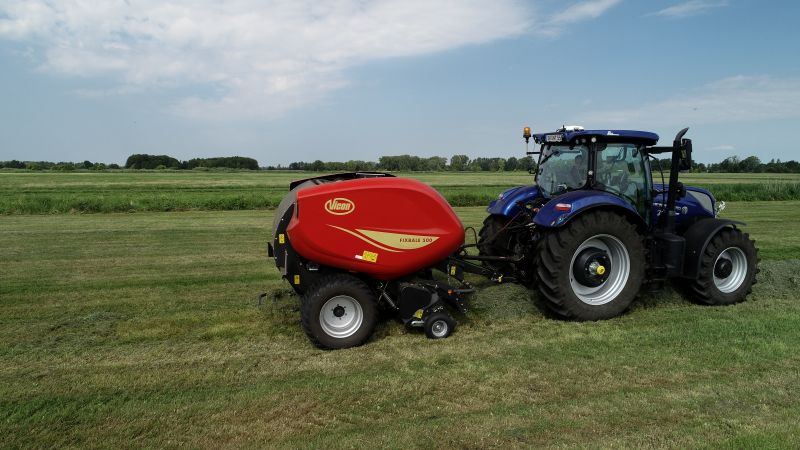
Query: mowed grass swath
x=144 y=330
x=93 y=192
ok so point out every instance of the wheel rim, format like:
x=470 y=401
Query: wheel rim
x=341 y=316
x=738 y=270
x=617 y=278
x=439 y=328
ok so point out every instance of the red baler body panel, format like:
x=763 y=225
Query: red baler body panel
x=384 y=227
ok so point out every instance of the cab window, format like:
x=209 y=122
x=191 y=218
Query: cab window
x=620 y=170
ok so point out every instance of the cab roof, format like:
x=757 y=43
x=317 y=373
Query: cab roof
x=644 y=137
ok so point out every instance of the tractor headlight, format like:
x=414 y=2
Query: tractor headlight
x=705 y=200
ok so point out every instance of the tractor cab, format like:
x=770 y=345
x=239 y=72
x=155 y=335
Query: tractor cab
x=611 y=168
x=612 y=161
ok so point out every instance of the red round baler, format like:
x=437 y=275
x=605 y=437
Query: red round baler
x=349 y=242
x=382 y=227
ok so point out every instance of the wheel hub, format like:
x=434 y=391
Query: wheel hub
x=439 y=328
x=730 y=270
x=723 y=268
x=338 y=311
x=341 y=316
x=592 y=267
x=599 y=269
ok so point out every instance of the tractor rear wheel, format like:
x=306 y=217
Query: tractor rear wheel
x=339 y=311
x=728 y=269
x=591 y=268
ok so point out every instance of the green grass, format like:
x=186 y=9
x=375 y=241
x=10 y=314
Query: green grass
x=142 y=330
x=102 y=192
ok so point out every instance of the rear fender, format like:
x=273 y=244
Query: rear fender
x=560 y=210
x=512 y=201
x=698 y=236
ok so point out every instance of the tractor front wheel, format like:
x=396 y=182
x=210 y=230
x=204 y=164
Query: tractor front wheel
x=728 y=269
x=339 y=311
x=591 y=268
x=495 y=240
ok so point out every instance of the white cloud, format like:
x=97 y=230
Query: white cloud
x=577 y=12
x=252 y=58
x=255 y=58
x=690 y=8
x=730 y=100
x=581 y=11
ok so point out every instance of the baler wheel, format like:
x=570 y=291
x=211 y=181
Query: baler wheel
x=592 y=267
x=439 y=325
x=728 y=269
x=339 y=311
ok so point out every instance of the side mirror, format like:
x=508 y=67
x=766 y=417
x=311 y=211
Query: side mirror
x=685 y=162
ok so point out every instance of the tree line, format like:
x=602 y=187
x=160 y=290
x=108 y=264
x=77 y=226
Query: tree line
x=460 y=163
x=145 y=161
x=734 y=164
x=410 y=163
x=401 y=163
x=139 y=161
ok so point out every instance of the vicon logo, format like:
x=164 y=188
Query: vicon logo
x=340 y=206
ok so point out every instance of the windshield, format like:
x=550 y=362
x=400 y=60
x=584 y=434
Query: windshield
x=562 y=168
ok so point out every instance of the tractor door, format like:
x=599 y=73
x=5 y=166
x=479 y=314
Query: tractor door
x=621 y=169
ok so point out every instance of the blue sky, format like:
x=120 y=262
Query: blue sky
x=292 y=80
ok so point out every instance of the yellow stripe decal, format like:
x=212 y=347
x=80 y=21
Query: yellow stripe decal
x=364 y=239
x=401 y=241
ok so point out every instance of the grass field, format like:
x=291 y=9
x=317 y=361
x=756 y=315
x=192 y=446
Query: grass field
x=142 y=330
x=54 y=192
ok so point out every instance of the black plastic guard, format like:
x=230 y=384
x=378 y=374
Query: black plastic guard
x=300 y=274
x=339 y=177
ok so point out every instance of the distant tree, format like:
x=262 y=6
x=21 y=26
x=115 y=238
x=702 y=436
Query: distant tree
x=357 y=166
x=230 y=162
x=64 y=166
x=750 y=164
x=511 y=164
x=13 y=164
x=317 y=166
x=435 y=163
x=144 y=161
x=459 y=162
x=526 y=163
x=729 y=164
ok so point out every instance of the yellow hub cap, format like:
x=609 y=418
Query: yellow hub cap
x=600 y=270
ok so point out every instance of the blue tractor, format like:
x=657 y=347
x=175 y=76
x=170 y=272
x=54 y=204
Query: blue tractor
x=595 y=226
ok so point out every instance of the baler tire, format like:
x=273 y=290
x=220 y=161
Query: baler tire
x=555 y=258
x=432 y=333
x=351 y=290
x=705 y=289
